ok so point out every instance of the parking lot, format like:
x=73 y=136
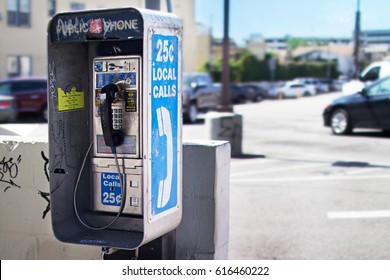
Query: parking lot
x=300 y=192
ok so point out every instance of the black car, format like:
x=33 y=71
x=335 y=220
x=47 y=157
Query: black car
x=254 y=92
x=369 y=108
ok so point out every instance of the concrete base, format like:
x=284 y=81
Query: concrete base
x=25 y=220
x=204 y=231
x=226 y=127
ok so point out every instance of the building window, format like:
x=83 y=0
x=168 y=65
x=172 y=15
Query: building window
x=19 y=12
x=19 y=65
x=52 y=7
x=77 y=6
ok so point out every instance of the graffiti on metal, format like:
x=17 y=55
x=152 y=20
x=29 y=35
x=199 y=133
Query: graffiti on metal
x=71 y=27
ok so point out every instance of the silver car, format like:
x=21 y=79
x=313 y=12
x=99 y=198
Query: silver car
x=8 y=109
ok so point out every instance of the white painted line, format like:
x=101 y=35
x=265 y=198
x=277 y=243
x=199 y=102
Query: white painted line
x=251 y=161
x=359 y=214
x=306 y=179
x=253 y=172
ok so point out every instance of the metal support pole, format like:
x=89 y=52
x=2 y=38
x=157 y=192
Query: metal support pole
x=357 y=42
x=226 y=102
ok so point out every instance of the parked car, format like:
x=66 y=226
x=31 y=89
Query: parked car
x=238 y=94
x=326 y=85
x=368 y=108
x=30 y=94
x=8 y=111
x=291 y=90
x=254 y=93
x=199 y=95
x=311 y=84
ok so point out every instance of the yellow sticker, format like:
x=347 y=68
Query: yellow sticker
x=68 y=101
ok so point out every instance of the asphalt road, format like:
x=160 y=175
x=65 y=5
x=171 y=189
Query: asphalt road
x=299 y=192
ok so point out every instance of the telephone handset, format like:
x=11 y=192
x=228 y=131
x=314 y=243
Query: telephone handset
x=108 y=95
x=165 y=128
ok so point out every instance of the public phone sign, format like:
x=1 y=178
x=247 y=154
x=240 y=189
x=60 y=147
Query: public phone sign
x=164 y=124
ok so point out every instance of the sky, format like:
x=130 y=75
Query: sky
x=297 y=18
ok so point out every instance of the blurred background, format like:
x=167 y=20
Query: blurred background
x=298 y=191
x=269 y=40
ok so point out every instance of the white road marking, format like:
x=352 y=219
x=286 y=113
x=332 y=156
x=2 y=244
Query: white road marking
x=254 y=172
x=251 y=162
x=359 y=214
x=306 y=178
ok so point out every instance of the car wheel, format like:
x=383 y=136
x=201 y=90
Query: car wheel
x=241 y=99
x=13 y=118
x=340 y=122
x=306 y=93
x=192 y=113
x=258 y=98
x=44 y=113
x=386 y=132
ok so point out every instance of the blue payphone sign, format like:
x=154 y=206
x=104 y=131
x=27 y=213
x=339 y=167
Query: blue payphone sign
x=164 y=117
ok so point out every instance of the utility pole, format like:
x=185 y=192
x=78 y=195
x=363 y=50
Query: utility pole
x=357 y=42
x=225 y=102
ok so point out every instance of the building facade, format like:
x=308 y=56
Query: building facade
x=375 y=44
x=257 y=46
x=23 y=25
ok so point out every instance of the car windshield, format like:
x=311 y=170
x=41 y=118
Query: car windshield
x=5 y=88
x=380 y=87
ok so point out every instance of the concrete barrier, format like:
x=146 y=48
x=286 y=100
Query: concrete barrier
x=25 y=223
x=225 y=127
x=204 y=230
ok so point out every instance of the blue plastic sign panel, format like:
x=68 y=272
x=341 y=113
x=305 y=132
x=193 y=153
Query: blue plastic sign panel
x=103 y=79
x=164 y=124
x=110 y=189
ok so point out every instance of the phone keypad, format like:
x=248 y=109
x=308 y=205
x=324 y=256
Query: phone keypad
x=117 y=119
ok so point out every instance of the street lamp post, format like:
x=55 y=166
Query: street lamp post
x=357 y=42
x=225 y=101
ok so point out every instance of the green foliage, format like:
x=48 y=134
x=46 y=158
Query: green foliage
x=293 y=43
x=247 y=68
x=311 y=69
x=216 y=71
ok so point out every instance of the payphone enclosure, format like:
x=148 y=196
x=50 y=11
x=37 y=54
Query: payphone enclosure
x=114 y=95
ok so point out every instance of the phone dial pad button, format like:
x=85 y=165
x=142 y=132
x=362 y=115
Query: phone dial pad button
x=134 y=201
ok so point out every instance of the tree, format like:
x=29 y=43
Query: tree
x=293 y=43
x=248 y=68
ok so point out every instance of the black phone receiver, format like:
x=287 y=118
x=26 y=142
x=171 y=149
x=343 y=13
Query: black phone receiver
x=112 y=138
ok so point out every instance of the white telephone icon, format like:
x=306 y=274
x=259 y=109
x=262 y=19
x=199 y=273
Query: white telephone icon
x=165 y=128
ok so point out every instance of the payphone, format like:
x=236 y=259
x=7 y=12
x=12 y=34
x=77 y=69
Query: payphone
x=114 y=87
